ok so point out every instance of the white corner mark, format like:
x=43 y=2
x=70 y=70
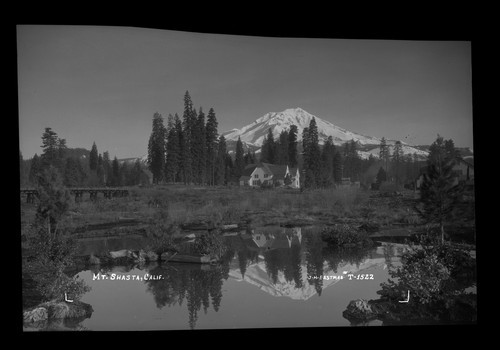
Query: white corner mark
x=66 y=298
x=407 y=300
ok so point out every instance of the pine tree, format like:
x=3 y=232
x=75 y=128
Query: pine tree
x=443 y=151
x=35 y=169
x=211 y=136
x=220 y=170
x=354 y=161
x=172 y=163
x=312 y=154
x=136 y=173
x=439 y=193
x=93 y=158
x=282 y=149
x=268 y=150
x=384 y=152
x=124 y=175
x=249 y=158
x=337 y=166
x=397 y=158
x=61 y=152
x=116 y=173
x=106 y=164
x=72 y=176
x=53 y=199
x=188 y=118
x=199 y=148
x=327 y=159
x=50 y=153
x=381 y=176
x=239 y=162
x=229 y=168
x=100 y=170
x=292 y=146
x=157 y=149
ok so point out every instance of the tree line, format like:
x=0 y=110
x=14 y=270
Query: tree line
x=189 y=150
x=78 y=169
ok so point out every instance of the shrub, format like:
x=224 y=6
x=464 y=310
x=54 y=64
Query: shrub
x=432 y=272
x=55 y=253
x=210 y=244
x=160 y=234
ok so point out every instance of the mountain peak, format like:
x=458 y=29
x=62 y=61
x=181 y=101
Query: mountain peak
x=296 y=110
x=256 y=132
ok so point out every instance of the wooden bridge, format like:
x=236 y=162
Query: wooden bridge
x=108 y=192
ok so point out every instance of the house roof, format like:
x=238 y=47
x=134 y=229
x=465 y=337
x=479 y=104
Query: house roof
x=278 y=171
x=243 y=178
x=249 y=170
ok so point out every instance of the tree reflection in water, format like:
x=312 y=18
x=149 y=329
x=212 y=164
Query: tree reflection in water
x=314 y=260
x=198 y=285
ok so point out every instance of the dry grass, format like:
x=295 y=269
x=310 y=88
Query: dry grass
x=221 y=205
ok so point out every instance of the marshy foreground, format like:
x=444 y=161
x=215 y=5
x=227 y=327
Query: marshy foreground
x=268 y=252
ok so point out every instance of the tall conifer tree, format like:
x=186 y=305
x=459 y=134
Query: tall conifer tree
x=268 y=150
x=312 y=154
x=211 y=146
x=384 y=153
x=220 y=171
x=172 y=163
x=292 y=146
x=186 y=139
x=239 y=162
x=93 y=157
x=439 y=192
x=157 y=149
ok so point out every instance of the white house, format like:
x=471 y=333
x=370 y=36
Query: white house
x=255 y=175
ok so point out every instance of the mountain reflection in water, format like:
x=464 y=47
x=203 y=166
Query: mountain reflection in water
x=292 y=264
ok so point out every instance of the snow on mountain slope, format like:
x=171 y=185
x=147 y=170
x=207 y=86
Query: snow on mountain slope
x=407 y=150
x=253 y=135
x=256 y=132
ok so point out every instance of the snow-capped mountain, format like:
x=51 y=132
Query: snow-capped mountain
x=253 y=135
x=256 y=132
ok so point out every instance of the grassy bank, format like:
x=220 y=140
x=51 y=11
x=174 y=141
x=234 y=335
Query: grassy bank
x=184 y=205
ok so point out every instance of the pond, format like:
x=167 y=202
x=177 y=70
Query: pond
x=270 y=277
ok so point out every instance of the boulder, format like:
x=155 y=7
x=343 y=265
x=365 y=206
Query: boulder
x=62 y=310
x=359 y=309
x=124 y=253
x=57 y=310
x=36 y=315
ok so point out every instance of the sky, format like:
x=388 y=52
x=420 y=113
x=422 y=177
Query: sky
x=103 y=84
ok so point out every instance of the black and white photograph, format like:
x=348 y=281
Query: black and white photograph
x=194 y=180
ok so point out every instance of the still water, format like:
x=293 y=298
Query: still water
x=270 y=277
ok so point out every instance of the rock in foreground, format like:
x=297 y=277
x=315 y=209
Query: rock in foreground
x=57 y=310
